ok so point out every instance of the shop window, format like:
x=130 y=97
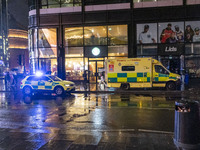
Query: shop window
x=147 y=33
x=96 y=35
x=117 y=35
x=48 y=66
x=47 y=52
x=120 y=50
x=47 y=38
x=192 y=31
x=171 y=32
x=74 y=51
x=193 y=66
x=74 y=36
x=147 y=50
x=74 y=68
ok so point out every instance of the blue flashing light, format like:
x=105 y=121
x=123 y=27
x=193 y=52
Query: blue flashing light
x=38 y=73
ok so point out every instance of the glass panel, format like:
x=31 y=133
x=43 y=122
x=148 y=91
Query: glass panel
x=193 y=66
x=47 y=52
x=48 y=38
x=147 y=33
x=147 y=50
x=74 y=68
x=74 y=51
x=74 y=36
x=193 y=48
x=95 y=35
x=117 y=35
x=171 y=32
x=121 y=50
x=67 y=3
x=92 y=71
x=53 y=3
x=44 y=2
x=48 y=66
x=192 y=33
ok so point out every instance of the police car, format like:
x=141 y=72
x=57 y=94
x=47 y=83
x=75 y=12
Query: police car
x=46 y=83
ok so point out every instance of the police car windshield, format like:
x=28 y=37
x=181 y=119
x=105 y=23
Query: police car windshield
x=55 y=78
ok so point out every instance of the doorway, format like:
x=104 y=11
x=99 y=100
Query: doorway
x=96 y=67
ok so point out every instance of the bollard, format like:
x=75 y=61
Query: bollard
x=187 y=125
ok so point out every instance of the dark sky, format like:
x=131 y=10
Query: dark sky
x=18 y=14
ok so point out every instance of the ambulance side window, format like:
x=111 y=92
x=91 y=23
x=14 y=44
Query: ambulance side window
x=160 y=69
x=128 y=68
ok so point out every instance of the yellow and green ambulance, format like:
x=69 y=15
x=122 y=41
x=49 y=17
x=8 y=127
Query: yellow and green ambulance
x=139 y=73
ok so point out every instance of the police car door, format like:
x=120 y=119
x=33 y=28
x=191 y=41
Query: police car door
x=45 y=83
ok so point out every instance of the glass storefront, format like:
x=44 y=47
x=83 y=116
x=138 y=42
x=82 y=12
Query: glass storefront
x=43 y=53
x=77 y=39
x=95 y=35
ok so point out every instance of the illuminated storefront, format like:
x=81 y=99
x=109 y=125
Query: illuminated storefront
x=71 y=38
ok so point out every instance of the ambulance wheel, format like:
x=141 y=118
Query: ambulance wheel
x=171 y=86
x=27 y=90
x=59 y=90
x=125 y=86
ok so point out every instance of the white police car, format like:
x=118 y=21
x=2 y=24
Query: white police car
x=46 y=83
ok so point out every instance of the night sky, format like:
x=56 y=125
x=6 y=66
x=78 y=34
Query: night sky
x=18 y=14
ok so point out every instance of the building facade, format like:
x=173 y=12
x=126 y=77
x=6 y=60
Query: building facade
x=70 y=37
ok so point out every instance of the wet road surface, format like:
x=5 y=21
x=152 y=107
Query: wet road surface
x=80 y=121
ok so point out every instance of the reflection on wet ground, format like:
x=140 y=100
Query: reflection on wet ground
x=89 y=108
x=86 y=121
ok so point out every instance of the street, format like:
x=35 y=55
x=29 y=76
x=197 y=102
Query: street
x=86 y=121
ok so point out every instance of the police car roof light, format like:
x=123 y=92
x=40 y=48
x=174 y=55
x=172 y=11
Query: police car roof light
x=38 y=73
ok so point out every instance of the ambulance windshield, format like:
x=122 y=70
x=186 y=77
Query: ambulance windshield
x=161 y=69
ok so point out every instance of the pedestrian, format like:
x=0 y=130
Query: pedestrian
x=102 y=83
x=7 y=80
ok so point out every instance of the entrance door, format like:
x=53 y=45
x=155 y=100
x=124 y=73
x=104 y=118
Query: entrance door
x=96 y=68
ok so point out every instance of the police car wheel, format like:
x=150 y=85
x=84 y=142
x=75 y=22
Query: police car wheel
x=59 y=91
x=171 y=86
x=27 y=90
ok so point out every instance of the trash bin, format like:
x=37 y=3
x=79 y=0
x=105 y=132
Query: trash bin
x=187 y=125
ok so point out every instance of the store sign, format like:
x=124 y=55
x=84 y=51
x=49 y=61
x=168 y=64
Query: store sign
x=171 y=49
x=95 y=51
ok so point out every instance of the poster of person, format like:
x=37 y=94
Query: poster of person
x=147 y=33
x=192 y=31
x=171 y=32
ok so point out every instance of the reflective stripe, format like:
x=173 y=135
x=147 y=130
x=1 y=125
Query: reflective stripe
x=129 y=77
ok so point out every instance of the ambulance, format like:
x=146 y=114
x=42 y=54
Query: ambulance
x=128 y=73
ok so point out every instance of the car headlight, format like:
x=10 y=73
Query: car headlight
x=178 y=77
x=67 y=85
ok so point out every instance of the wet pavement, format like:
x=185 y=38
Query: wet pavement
x=86 y=121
